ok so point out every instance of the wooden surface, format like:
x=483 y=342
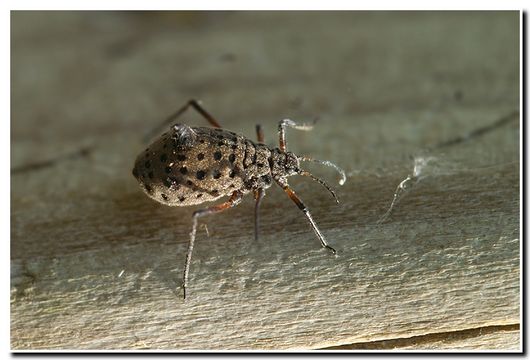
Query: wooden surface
x=95 y=264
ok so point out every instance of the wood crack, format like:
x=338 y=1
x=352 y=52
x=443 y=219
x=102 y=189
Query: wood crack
x=425 y=339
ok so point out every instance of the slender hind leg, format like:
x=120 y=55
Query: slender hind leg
x=292 y=195
x=233 y=201
x=290 y=123
x=195 y=105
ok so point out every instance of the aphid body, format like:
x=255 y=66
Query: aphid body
x=191 y=165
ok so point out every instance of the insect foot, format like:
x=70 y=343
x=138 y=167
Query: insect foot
x=195 y=165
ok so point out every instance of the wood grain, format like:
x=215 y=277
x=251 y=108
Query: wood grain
x=501 y=337
x=97 y=265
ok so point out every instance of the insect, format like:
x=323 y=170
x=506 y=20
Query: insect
x=192 y=165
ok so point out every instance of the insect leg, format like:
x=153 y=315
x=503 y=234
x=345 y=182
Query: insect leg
x=258 y=195
x=289 y=123
x=195 y=105
x=83 y=152
x=233 y=201
x=259 y=133
x=292 y=195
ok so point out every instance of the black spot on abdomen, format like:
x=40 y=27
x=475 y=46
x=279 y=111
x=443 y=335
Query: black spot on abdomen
x=267 y=179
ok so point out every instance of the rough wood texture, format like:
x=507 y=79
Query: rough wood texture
x=496 y=337
x=95 y=263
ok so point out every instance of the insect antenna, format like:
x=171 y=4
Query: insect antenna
x=320 y=181
x=327 y=163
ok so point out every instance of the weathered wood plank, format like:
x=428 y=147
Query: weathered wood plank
x=509 y=341
x=503 y=338
x=95 y=264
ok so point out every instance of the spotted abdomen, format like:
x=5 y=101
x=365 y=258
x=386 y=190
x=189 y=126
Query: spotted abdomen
x=188 y=166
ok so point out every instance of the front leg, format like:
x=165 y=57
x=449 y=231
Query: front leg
x=292 y=195
x=289 y=123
